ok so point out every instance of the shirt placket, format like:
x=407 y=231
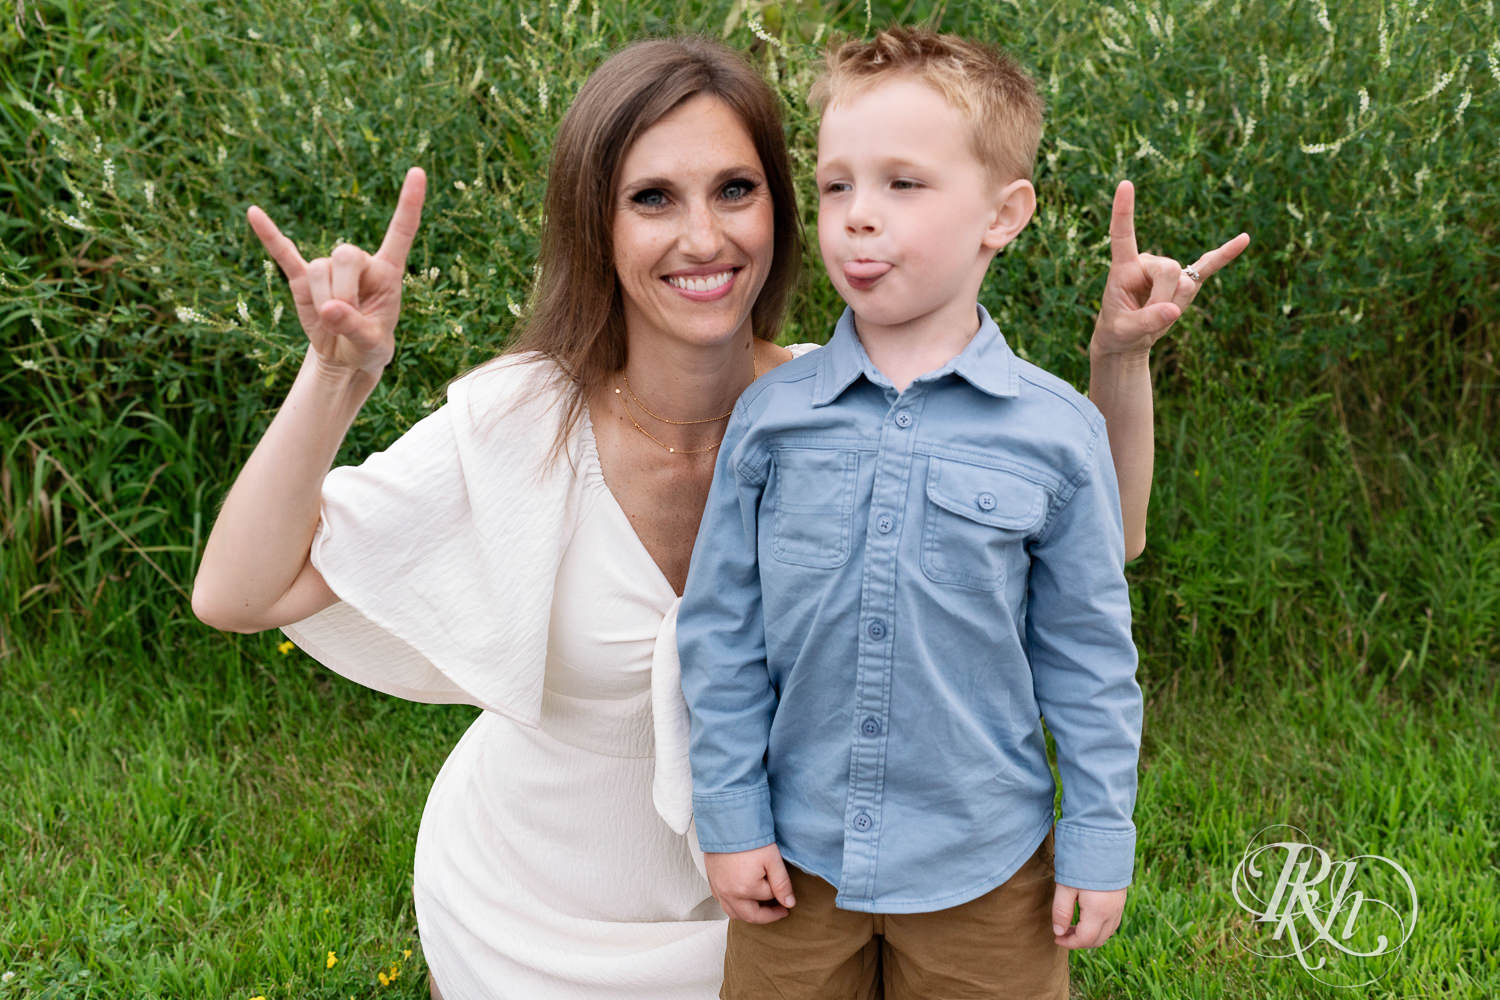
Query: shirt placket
x=877 y=623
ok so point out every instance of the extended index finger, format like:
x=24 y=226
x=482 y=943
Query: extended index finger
x=282 y=250
x=1216 y=259
x=1122 y=225
x=403 y=227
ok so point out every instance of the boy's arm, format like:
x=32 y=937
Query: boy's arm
x=721 y=642
x=1083 y=671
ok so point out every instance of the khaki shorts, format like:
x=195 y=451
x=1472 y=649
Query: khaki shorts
x=999 y=945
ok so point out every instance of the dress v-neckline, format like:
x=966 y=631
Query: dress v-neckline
x=591 y=455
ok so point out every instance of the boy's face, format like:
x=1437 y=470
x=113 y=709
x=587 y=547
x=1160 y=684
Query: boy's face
x=906 y=212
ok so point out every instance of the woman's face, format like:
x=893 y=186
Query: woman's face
x=693 y=226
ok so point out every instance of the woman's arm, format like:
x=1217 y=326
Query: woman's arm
x=1143 y=296
x=256 y=572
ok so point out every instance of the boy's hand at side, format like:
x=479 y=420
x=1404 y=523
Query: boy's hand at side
x=752 y=886
x=1098 y=916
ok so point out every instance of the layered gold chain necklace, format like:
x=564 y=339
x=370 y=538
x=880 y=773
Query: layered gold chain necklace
x=627 y=396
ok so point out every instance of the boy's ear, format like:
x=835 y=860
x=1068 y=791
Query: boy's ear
x=1014 y=205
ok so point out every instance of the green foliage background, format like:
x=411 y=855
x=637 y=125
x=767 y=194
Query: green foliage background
x=1328 y=481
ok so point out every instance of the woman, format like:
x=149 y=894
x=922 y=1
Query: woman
x=522 y=549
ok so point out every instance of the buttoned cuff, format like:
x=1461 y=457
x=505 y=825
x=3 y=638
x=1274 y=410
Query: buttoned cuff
x=734 y=821
x=1090 y=858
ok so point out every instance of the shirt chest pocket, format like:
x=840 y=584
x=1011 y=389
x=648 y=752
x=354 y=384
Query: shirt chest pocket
x=812 y=506
x=977 y=522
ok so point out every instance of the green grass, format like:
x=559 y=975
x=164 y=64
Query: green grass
x=190 y=815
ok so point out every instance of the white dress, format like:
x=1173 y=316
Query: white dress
x=555 y=860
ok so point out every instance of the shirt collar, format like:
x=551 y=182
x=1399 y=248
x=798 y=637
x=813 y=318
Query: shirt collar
x=987 y=363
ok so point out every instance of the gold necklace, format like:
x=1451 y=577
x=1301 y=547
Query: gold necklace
x=659 y=441
x=667 y=420
x=630 y=393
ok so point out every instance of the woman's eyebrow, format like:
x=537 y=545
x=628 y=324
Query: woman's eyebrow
x=739 y=170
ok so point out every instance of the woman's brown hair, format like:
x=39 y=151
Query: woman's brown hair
x=577 y=314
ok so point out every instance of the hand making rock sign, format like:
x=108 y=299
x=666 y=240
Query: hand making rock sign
x=1145 y=294
x=348 y=302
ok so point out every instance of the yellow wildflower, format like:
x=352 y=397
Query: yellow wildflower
x=406 y=953
x=330 y=961
x=285 y=647
x=257 y=998
x=384 y=979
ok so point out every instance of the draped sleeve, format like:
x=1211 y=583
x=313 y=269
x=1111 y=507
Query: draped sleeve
x=444 y=548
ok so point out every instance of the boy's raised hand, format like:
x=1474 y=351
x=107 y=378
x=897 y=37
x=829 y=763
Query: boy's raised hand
x=752 y=886
x=349 y=301
x=1098 y=916
x=1145 y=294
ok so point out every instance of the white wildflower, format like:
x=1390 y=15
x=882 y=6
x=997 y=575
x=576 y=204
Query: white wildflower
x=221 y=154
x=1438 y=85
x=1463 y=104
x=428 y=58
x=460 y=185
x=189 y=315
x=1293 y=211
x=253 y=35
x=1147 y=149
x=541 y=94
x=8 y=976
x=1385 y=41
x=1493 y=55
x=1249 y=130
x=478 y=75
x=510 y=304
x=1420 y=177
x=759 y=31
x=277 y=313
x=243 y=311
x=423 y=139
x=356 y=27
x=109 y=174
x=1265 y=78
x=36 y=321
x=433 y=273
x=1323 y=16
x=150 y=191
x=1153 y=26
x=269 y=267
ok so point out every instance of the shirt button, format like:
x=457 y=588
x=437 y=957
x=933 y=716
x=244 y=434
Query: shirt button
x=870 y=727
x=885 y=523
x=986 y=501
x=876 y=629
x=903 y=419
x=862 y=821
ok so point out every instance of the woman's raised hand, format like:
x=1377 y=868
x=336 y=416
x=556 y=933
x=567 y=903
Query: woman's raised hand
x=348 y=302
x=1145 y=294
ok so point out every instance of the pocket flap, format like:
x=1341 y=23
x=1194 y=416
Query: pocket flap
x=989 y=496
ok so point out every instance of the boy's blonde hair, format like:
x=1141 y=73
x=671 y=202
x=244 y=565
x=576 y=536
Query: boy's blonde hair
x=986 y=85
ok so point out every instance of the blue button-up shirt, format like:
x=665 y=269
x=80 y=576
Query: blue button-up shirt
x=888 y=592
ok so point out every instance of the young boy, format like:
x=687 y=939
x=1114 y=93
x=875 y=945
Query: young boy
x=911 y=551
